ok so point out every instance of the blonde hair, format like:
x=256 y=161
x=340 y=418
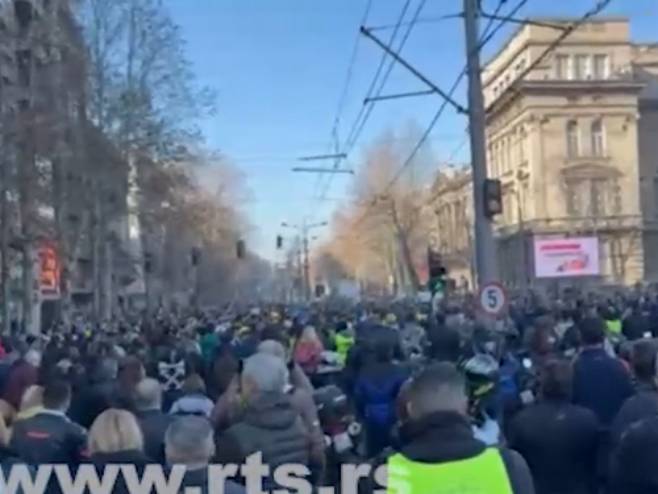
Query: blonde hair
x=115 y=430
x=32 y=397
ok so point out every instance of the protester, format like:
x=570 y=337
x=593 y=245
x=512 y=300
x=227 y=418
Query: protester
x=269 y=424
x=633 y=466
x=189 y=442
x=557 y=439
x=49 y=436
x=152 y=421
x=644 y=403
x=600 y=382
x=23 y=374
x=375 y=391
x=194 y=400
x=308 y=349
x=115 y=439
x=438 y=448
x=635 y=325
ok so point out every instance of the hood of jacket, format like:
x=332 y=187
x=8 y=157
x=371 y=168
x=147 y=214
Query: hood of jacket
x=271 y=411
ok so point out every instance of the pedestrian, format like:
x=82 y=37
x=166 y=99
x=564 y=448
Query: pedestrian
x=634 y=460
x=559 y=440
x=189 y=442
x=153 y=422
x=116 y=439
x=644 y=402
x=194 y=400
x=50 y=436
x=438 y=452
x=375 y=392
x=600 y=381
x=269 y=424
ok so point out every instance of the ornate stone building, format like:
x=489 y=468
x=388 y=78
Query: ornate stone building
x=574 y=145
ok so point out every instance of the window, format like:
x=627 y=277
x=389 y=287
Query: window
x=574 y=198
x=593 y=197
x=573 y=146
x=597 y=138
x=581 y=67
x=601 y=67
x=597 y=199
x=562 y=66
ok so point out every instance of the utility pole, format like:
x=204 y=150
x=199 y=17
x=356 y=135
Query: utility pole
x=485 y=245
x=307 y=276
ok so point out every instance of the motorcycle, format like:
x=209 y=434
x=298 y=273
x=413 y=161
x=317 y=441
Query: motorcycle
x=342 y=432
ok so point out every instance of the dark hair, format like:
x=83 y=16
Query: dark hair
x=56 y=394
x=556 y=380
x=445 y=344
x=592 y=330
x=429 y=387
x=643 y=357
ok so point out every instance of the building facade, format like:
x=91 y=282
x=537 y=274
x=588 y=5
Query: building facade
x=569 y=137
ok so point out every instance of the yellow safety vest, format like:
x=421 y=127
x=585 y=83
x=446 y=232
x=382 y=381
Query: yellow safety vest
x=614 y=326
x=483 y=474
x=343 y=345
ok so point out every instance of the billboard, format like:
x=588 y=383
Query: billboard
x=49 y=271
x=566 y=257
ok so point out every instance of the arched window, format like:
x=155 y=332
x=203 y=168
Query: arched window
x=573 y=144
x=598 y=145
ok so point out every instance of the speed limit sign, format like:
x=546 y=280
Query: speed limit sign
x=493 y=298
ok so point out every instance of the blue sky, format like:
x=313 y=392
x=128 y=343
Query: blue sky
x=279 y=67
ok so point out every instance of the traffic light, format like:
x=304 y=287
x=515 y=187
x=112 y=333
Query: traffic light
x=240 y=249
x=279 y=241
x=493 y=198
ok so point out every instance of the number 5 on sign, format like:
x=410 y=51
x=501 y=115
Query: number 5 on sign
x=493 y=298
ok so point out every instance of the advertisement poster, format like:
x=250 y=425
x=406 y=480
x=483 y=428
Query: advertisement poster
x=566 y=257
x=49 y=271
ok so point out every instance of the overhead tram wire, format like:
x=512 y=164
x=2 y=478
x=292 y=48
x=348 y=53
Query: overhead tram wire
x=364 y=112
x=597 y=9
x=486 y=36
x=343 y=95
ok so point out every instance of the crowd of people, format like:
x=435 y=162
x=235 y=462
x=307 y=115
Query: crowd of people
x=559 y=397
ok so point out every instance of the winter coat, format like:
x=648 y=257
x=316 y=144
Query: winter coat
x=643 y=404
x=21 y=376
x=559 y=441
x=154 y=424
x=271 y=426
x=635 y=460
x=48 y=437
x=600 y=383
x=445 y=437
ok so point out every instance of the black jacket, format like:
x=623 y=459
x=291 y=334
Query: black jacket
x=270 y=425
x=635 y=326
x=48 y=437
x=600 y=383
x=128 y=457
x=643 y=404
x=559 y=441
x=154 y=426
x=446 y=437
x=634 y=466
x=199 y=478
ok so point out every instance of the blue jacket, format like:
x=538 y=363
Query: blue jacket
x=600 y=383
x=376 y=391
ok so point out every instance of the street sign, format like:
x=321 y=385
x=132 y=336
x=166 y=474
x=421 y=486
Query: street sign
x=493 y=298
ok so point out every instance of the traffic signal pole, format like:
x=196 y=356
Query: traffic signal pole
x=485 y=245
